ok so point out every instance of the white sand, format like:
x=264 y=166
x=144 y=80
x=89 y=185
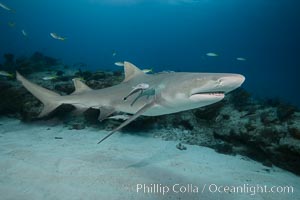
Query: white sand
x=34 y=165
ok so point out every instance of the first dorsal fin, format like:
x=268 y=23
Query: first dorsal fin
x=80 y=86
x=131 y=71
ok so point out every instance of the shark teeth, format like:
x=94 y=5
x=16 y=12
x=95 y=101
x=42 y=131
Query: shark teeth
x=217 y=93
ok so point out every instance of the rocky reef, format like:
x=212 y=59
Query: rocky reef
x=267 y=131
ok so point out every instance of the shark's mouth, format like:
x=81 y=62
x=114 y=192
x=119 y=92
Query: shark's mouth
x=216 y=93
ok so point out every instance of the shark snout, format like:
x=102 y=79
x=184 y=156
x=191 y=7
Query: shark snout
x=231 y=82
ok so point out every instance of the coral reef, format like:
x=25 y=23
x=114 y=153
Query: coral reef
x=37 y=62
x=9 y=62
x=46 y=61
x=266 y=131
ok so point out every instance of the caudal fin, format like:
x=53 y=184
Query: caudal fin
x=51 y=100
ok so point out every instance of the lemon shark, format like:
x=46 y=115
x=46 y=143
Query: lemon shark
x=141 y=94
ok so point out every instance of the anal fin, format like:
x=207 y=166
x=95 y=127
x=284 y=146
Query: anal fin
x=133 y=117
x=49 y=107
x=79 y=109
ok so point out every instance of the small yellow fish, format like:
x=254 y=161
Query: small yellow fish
x=81 y=79
x=241 y=59
x=4 y=73
x=6 y=8
x=48 y=78
x=57 y=37
x=114 y=53
x=212 y=54
x=24 y=33
x=120 y=64
x=146 y=71
x=11 y=24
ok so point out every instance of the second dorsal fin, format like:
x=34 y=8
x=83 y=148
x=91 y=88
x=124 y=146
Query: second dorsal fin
x=80 y=86
x=131 y=71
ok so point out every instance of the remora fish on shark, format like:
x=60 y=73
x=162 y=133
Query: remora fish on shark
x=167 y=93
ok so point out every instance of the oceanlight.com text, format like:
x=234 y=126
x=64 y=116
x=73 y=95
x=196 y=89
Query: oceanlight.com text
x=248 y=189
x=156 y=188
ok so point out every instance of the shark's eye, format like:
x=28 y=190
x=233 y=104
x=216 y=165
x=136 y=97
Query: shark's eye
x=219 y=82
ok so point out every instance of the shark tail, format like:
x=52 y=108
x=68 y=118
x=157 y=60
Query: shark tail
x=51 y=100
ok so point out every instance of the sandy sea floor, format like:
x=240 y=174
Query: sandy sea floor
x=35 y=165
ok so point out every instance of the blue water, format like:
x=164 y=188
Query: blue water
x=167 y=35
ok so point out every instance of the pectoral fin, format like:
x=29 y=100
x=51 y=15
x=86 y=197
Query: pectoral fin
x=133 y=117
x=105 y=112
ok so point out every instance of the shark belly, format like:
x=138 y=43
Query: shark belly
x=163 y=110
